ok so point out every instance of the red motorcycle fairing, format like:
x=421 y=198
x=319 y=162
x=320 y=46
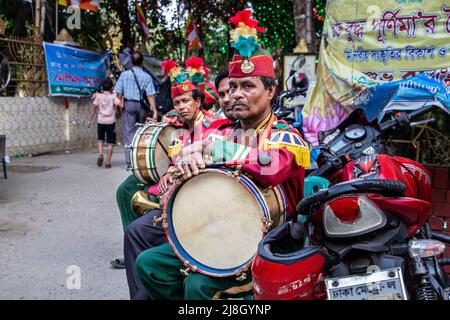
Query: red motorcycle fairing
x=302 y=279
x=382 y=166
x=421 y=175
x=412 y=212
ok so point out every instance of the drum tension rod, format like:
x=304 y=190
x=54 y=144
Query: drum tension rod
x=242 y=277
x=157 y=220
x=266 y=225
x=185 y=272
x=188 y=269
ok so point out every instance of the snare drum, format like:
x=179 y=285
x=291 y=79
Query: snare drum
x=148 y=151
x=215 y=220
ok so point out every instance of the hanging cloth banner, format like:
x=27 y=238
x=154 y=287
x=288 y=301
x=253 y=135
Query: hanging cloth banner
x=74 y=72
x=367 y=43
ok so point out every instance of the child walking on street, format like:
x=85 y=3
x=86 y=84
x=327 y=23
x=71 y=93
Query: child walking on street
x=106 y=120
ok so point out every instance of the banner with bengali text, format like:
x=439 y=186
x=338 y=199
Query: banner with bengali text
x=366 y=43
x=74 y=72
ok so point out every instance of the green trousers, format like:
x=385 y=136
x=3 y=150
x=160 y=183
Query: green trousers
x=159 y=271
x=123 y=196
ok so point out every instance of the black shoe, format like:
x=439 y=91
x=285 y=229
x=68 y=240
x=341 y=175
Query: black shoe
x=100 y=160
x=118 y=263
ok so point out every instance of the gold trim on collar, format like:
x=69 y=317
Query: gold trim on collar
x=263 y=124
x=199 y=118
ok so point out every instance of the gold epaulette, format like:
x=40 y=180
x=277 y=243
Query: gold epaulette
x=293 y=143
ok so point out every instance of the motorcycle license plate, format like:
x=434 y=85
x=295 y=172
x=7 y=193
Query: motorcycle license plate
x=381 y=285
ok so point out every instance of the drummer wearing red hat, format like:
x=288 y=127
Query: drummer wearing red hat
x=197 y=72
x=257 y=132
x=141 y=233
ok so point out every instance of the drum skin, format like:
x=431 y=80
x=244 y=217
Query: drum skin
x=214 y=221
x=149 y=157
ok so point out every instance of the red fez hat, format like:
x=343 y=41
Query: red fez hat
x=210 y=92
x=250 y=59
x=178 y=76
x=179 y=89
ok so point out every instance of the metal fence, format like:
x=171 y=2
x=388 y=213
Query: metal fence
x=28 y=72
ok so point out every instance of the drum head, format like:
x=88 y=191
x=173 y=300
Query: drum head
x=217 y=221
x=162 y=160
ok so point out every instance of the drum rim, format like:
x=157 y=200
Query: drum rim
x=132 y=155
x=283 y=198
x=154 y=169
x=150 y=157
x=191 y=262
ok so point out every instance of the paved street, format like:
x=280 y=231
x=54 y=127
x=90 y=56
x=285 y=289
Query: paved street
x=56 y=211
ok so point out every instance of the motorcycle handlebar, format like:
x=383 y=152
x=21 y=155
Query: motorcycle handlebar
x=327 y=168
x=324 y=170
x=404 y=119
x=440 y=236
x=296 y=92
x=421 y=111
x=391 y=188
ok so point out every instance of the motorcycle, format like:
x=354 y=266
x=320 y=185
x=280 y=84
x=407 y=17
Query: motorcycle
x=298 y=87
x=366 y=237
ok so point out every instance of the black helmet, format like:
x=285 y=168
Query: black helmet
x=299 y=82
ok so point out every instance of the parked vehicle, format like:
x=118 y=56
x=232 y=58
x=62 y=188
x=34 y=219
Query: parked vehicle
x=292 y=113
x=365 y=237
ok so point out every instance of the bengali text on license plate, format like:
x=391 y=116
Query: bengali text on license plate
x=385 y=285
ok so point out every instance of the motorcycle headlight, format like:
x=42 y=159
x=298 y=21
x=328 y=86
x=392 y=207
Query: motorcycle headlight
x=351 y=216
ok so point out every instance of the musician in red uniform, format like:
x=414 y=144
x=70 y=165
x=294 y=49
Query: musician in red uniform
x=195 y=124
x=141 y=234
x=256 y=134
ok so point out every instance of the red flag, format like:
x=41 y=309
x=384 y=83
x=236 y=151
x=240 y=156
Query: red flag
x=192 y=35
x=141 y=21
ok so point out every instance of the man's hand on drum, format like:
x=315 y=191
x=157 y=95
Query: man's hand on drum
x=149 y=120
x=166 y=181
x=191 y=158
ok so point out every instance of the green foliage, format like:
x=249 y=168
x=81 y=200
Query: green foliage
x=215 y=51
x=434 y=140
x=277 y=17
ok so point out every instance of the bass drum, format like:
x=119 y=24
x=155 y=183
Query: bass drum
x=215 y=220
x=149 y=151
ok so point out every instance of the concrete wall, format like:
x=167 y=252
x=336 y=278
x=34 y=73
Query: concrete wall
x=43 y=124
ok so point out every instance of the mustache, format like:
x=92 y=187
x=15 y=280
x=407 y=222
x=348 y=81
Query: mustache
x=235 y=104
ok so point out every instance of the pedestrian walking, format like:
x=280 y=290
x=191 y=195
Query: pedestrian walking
x=105 y=103
x=136 y=87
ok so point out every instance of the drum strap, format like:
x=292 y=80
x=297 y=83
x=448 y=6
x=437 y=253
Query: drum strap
x=266 y=126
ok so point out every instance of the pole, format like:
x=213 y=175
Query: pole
x=43 y=16
x=308 y=24
x=56 y=18
x=37 y=22
x=37 y=39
